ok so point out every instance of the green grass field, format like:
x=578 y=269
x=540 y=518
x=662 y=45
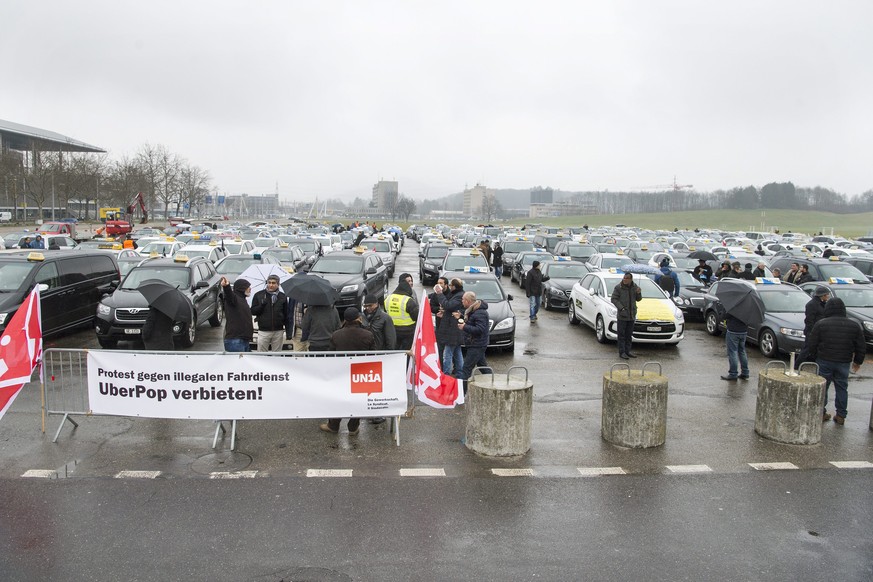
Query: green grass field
x=805 y=221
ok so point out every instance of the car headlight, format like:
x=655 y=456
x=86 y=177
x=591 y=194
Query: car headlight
x=349 y=289
x=868 y=325
x=101 y=310
x=431 y=265
x=680 y=301
x=791 y=332
x=678 y=315
x=611 y=310
x=505 y=324
x=557 y=292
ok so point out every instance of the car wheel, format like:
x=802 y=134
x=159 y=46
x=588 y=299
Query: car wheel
x=600 y=329
x=571 y=313
x=712 y=323
x=546 y=305
x=186 y=340
x=768 y=344
x=218 y=316
x=107 y=344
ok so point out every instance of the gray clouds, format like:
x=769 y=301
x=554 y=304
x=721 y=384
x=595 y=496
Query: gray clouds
x=328 y=97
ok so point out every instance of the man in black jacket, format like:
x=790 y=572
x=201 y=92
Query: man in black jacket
x=271 y=311
x=533 y=288
x=837 y=345
x=625 y=296
x=238 y=324
x=350 y=338
x=814 y=311
x=447 y=332
x=378 y=322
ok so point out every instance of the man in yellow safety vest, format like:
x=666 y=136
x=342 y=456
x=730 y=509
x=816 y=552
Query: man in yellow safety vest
x=402 y=308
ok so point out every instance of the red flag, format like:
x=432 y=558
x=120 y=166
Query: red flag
x=432 y=386
x=20 y=349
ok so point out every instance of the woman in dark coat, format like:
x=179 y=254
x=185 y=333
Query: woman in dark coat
x=447 y=332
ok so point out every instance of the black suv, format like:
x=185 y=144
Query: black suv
x=120 y=316
x=821 y=269
x=74 y=283
x=354 y=274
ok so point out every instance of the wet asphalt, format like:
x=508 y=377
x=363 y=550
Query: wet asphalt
x=550 y=522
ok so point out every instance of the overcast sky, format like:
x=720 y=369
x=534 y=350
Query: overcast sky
x=326 y=98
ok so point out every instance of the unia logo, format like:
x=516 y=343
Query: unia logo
x=366 y=377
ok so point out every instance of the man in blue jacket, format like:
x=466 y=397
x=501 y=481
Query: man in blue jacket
x=668 y=280
x=474 y=324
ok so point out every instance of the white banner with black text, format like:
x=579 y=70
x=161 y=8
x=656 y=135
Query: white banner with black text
x=245 y=386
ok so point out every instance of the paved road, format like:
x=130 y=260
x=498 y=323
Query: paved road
x=549 y=523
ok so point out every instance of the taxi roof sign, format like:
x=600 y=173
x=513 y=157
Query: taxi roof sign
x=474 y=269
x=834 y=258
x=560 y=258
x=840 y=281
x=768 y=281
x=181 y=258
x=34 y=256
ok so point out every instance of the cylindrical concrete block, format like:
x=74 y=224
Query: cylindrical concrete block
x=634 y=412
x=789 y=408
x=499 y=415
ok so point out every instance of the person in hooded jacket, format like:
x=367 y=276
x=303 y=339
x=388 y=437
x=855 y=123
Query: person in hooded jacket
x=402 y=308
x=746 y=273
x=836 y=343
x=377 y=321
x=668 y=280
x=447 y=332
x=157 y=332
x=239 y=326
x=475 y=326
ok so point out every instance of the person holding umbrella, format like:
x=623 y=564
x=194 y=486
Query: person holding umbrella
x=167 y=305
x=702 y=272
x=239 y=326
x=625 y=296
x=320 y=319
x=157 y=332
x=741 y=306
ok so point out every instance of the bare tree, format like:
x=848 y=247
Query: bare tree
x=194 y=185
x=405 y=207
x=491 y=207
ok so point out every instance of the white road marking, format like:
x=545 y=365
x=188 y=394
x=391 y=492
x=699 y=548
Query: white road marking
x=328 y=472
x=41 y=473
x=137 y=474
x=772 y=466
x=422 y=472
x=233 y=475
x=597 y=471
x=513 y=472
x=852 y=464
x=689 y=468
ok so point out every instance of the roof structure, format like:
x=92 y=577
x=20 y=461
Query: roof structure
x=16 y=136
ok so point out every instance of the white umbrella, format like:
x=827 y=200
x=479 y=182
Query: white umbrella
x=257 y=275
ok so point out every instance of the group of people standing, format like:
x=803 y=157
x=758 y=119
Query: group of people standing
x=461 y=320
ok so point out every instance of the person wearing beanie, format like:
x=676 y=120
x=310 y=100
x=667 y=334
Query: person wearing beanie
x=836 y=343
x=270 y=308
x=450 y=299
x=533 y=288
x=702 y=272
x=378 y=322
x=668 y=280
x=350 y=338
x=238 y=324
x=402 y=308
x=746 y=274
x=814 y=311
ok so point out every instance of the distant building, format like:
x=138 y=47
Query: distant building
x=246 y=205
x=385 y=195
x=560 y=209
x=542 y=195
x=473 y=199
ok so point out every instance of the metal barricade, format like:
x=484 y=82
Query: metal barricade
x=65 y=384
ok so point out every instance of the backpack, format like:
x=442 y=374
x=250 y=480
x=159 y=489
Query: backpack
x=666 y=283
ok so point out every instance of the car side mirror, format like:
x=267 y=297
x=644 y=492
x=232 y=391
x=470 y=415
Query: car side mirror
x=201 y=285
x=591 y=292
x=371 y=271
x=510 y=297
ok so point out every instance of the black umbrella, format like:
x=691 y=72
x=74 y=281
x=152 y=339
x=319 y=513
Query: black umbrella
x=310 y=289
x=741 y=300
x=167 y=299
x=705 y=255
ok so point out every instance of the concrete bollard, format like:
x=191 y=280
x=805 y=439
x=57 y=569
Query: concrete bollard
x=789 y=407
x=634 y=412
x=499 y=410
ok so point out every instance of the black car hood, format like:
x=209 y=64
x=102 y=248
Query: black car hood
x=861 y=312
x=499 y=310
x=562 y=283
x=11 y=300
x=125 y=298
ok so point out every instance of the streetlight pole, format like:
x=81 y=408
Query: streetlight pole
x=53 y=197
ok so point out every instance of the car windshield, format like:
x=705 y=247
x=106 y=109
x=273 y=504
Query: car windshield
x=649 y=288
x=191 y=253
x=380 y=246
x=458 y=262
x=282 y=255
x=604 y=248
x=233 y=248
x=856 y=296
x=784 y=300
x=517 y=246
x=13 y=274
x=263 y=243
x=308 y=245
x=686 y=280
x=486 y=289
x=162 y=248
x=338 y=265
x=527 y=260
x=235 y=265
x=845 y=270
x=558 y=271
x=581 y=251
x=614 y=262
x=437 y=252
x=643 y=255
x=175 y=276
x=125 y=266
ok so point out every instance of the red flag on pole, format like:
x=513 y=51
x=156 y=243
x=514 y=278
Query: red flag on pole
x=20 y=349
x=432 y=386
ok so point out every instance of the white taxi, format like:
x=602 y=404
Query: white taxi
x=658 y=321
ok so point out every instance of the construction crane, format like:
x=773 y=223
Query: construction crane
x=675 y=186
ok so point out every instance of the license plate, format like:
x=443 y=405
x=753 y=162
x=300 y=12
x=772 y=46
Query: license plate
x=132 y=330
x=653 y=328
